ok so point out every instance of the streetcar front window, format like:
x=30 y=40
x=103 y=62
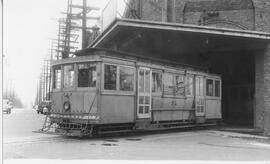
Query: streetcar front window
x=57 y=77
x=68 y=76
x=110 y=77
x=87 y=75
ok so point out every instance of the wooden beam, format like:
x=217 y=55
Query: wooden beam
x=83 y=27
x=81 y=7
x=80 y=17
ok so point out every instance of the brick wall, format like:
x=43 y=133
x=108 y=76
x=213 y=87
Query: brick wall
x=266 y=97
x=254 y=19
x=153 y=10
x=262 y=15
x=262 y=111
x=259 y=90
x=238 y=19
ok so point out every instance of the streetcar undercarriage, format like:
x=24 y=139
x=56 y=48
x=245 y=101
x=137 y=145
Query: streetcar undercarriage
x=85 y=129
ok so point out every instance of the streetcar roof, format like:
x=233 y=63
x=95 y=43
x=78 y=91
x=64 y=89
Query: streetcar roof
x=132 y=56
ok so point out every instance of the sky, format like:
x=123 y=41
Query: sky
x=28 y=27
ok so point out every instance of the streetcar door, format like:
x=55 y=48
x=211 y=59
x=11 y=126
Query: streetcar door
x=144 y=93
x=199 y=99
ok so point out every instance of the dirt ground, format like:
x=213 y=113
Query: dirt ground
x=189 y=145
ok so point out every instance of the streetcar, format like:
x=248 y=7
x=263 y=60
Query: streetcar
x=103 y=91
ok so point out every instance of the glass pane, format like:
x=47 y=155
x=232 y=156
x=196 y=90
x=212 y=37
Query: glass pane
x=126 y=79
x=202 y=109
x=217 y=88
x=156 y=82
x=147 y=81
x=141 y=80
x=68 y=76
x=201 y=86
x=141 y=99
x=197 y=86
x=140 y=109
x=57 y=78
x=147 y=100
x=179 y=85
x=146 y=109
x=189 y=85
x=168 y=84
x=198 y=109
x=110 y=76
x=209 y=87
x=87 y=75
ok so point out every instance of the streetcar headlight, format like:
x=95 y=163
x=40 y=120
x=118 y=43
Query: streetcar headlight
x=66 y=106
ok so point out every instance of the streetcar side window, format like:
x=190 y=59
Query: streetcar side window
x=168 y=84
x=179 y=88
x=209 y=87
x=189 y=85
x=199 y=86
x=68 y=76
x=213 y=88
x=174 y=84
x=217 y=88
x=110 y=77
x=87 y=75
x=57 y=77
x=156 y=82
x=126 y=78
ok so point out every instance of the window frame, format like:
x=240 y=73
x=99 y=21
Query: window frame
x=61 y=78
x=117 y=90
x=103 y=77
x=214 y=88
x=200 y=85
x=77 y=76
x=184 y=81
x=193 y=85
x=134 y=79
x=220 y=87
x=174 y=84
x=162 y=84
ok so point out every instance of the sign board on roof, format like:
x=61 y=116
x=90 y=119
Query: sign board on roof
x=109 y=14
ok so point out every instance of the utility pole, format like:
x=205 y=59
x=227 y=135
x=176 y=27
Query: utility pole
x=7 y=89
x=43 y=81
x=69 y=27
x=46 y=79
x=84 y=22
x=58 y=43
x=50 y=71
x=40 y=88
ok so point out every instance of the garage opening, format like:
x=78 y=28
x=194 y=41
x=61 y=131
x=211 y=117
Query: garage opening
x=238 y=88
